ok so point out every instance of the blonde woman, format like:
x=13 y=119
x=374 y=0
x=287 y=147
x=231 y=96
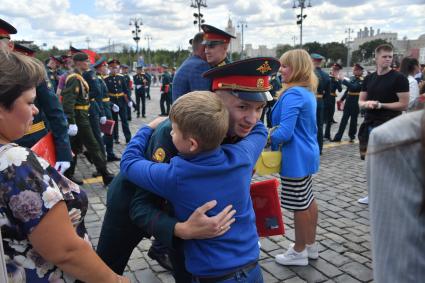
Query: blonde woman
x=294 y=119
x=41 y=212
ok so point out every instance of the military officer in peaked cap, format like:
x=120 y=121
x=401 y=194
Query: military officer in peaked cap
x=6 y=30
x=76 y=107
x=133 y=213
x=127 y=79
x=216 y=44
x=117 y=91
x=323 y=91
x=140 y=82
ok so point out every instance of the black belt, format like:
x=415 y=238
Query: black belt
x=246 y=268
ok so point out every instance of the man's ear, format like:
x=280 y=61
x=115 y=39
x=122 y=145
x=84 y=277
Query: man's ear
x=194 y=146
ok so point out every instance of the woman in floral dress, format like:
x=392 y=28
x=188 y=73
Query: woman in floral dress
x=41 y=212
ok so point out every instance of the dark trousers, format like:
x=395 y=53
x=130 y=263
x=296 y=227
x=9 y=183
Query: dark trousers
x=140 y=97
x=319 y=120
x=122 y=104
x=94 y=123
x=328 y=115
x=148 y=92
x=351 y=111
x=165 y=99
x=85 y=137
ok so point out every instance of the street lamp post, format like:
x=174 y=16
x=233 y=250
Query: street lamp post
x=137 y=22
x=148 y=37
x=348 y=31
x=242 y=25
x=301 y=17
x=198 y=16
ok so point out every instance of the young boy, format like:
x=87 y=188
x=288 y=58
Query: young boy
x=202 y=172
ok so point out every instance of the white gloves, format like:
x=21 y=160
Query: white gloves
x=103 y=120
x=138 y=86
x=72 y=130
x=130 y=104
x=115 y=108
x=62 y=166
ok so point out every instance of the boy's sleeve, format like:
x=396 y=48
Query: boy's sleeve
x=254 y=143
x=158 y=178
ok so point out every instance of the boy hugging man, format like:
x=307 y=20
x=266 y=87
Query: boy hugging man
x=203 y=171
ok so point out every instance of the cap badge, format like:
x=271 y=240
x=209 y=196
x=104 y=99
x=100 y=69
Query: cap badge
x=264 y=68
x=260 y=83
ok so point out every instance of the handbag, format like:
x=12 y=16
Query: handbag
x=269 y=162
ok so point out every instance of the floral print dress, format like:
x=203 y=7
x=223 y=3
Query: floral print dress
x=29 y=188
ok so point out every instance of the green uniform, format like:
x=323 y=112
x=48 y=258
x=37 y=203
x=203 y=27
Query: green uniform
x=165 y=93
x=76 y=105
x=329 y=103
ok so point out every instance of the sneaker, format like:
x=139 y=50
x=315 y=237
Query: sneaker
x=364 y=200
x=313 y=251
x=291 y=257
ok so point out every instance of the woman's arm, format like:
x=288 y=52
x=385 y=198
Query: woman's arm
x=55 y=239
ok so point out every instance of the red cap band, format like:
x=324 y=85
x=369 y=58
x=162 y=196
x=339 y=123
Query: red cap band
x=216 y=37
x=243 y=83
x=4 y=32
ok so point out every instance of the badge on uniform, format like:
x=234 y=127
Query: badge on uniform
x=159 y=155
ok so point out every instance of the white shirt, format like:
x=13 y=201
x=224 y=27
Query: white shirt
x=413 y=91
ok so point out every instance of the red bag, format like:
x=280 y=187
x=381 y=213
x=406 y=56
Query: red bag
x=340 y=105
x=108 y=127
x=265 y=199
x=45 y=148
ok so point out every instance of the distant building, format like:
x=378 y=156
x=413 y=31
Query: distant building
x=113 y=48
x=262 y=50
x=402 y=47
x=235 y=43
x=422 y=55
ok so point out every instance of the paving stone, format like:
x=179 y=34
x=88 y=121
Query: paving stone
x=356 y=257
x=279 y=271
x=345 y=278
x=358 y=271
x=294 y=280
x=325 y=267
x=334 y=257
x=146 y=276
x=137 y=264
x=308 y=273
x=267 y=277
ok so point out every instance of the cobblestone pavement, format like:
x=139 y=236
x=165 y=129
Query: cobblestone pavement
x=343 y=228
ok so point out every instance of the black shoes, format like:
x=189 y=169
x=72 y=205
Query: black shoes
x=76 y=180
x=162 y=258
x=107 y=177
x=113 y=158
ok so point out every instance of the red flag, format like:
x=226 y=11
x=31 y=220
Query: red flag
x=45 y=148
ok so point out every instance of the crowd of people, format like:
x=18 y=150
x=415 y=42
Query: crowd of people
x=185 y=177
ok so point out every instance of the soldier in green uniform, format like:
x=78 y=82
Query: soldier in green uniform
x=133 y=213
x=329 y=109
x=351 y=107
x=107 y=105
x=96 y=111
x=165 y=92
x=76 y=107
x=148 y=84
x=140 y=82
x=323 y=91
x=117 y=89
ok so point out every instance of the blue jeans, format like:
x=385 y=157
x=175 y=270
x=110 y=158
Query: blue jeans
x=253 y=276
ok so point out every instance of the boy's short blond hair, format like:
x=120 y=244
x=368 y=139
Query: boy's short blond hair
x=203 y=116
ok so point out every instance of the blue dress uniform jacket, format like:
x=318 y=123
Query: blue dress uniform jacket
x=189 y=77
x=50 y=117
x=351 y=107
x=189 y=182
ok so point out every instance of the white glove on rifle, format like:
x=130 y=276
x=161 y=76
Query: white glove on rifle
x=72 y=130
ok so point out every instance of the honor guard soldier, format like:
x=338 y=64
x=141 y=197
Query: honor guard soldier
x=216 y=44
x=101 y=70
x=76 y=107
x=140 y=81
x=49 y=118
x=96 y=112
x=117 y=89
x=351 y=107
x=165 y=92
x=54 y=70
x=148 y=84
x=127 y=79
x=323 y=91
x=245 y=81
x=329 y=109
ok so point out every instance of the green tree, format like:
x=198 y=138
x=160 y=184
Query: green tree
x=282 y=49
x=314 y=47
x=335 y=51
x=370 y=47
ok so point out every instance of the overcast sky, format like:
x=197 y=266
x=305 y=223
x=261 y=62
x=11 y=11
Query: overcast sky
x=170 y=23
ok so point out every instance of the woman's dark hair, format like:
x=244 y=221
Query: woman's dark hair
x=408 y=65
x=18 y=73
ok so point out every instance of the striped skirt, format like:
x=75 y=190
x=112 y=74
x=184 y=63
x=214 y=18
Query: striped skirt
x=296 y=193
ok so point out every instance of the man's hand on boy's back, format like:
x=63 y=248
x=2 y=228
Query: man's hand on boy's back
x=155 y=122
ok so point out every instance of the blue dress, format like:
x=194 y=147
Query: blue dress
x=29 y=188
